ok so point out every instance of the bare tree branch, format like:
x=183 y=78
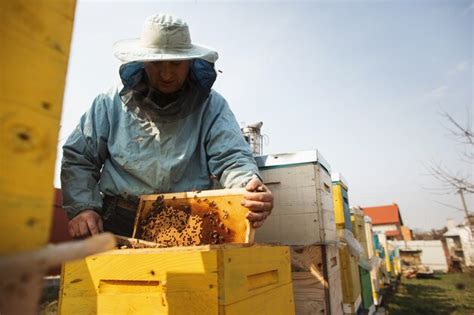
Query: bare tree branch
x=454 y=182
x=465 y=134
x=449 y=206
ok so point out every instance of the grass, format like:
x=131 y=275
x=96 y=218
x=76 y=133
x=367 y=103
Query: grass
x=451 y=294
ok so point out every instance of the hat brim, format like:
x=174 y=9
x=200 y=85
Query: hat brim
x=129 y=50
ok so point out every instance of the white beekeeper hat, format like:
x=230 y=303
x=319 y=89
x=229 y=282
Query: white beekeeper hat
x=164 y=37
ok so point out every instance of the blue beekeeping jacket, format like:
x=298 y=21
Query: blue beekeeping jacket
x=114 y=152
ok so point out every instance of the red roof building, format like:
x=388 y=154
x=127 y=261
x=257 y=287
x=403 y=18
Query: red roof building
x=388 y=220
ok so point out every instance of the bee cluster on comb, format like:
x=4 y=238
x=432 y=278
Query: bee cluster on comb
x=173 y=224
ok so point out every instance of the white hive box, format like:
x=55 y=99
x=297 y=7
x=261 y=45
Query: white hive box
x=303 y=207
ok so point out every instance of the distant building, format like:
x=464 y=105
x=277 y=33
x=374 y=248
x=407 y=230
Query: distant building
x=431 y=253
x=407 y=233
x=388 y=220
x=460 y=244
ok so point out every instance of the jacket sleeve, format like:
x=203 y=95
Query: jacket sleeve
x=229 y=155
x=84 y=154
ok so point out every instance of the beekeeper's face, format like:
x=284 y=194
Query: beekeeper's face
x=167 y=76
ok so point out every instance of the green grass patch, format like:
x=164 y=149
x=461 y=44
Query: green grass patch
x=445 y=294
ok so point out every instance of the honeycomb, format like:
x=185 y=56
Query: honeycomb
x=175 y=224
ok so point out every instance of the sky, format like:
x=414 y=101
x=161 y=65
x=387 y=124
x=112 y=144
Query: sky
x=363 y=82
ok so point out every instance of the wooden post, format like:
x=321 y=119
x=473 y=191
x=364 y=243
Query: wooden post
x=35 y=36
x=461 y=193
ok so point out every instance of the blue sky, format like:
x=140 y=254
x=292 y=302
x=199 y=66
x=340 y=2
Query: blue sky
x=364 y=82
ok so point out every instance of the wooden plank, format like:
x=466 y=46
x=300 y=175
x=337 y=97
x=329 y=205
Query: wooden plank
x=290 y=176
x=323 y=179
x=276 y=301
x=194 y=218
x=174 y=294
x=316 y=279
x=352 y=308
x=334 y=279
x=224 y=279
x=308 y=287
x=326 y=200
x=34 y=44
x=303 y=208
x=358 y=229
x=271 y=231
x=302 y=229
x=128 y=242
x=141 y=266
x=166 y=300
x=307 y=258
x=338 y=204
x=251 y=271
x=329 y=224
x=293 y=188
x=154 y=281
x=293 y=229
x=374 y=274
x=310 y=307
x=309 y=279
x=33 y=60
x=350 y=278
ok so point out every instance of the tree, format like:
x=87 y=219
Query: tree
x=457 y=182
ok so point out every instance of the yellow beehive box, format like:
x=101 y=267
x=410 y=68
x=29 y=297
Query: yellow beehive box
x=211 y=279
x=338 y=205
x=351 y=296
x=342 y=216
x=358 y=229
x=375 y=273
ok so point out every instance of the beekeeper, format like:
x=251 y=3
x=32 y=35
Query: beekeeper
x=162 y=130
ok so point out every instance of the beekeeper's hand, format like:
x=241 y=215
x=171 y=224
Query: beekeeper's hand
x=86 y=223
x=259 y=200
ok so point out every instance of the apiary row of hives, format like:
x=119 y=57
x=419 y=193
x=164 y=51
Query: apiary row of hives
x=144 y=278
x=363 y=269
x=303 y=277
x=296 y=266
x=312 y=215
x=303 y=218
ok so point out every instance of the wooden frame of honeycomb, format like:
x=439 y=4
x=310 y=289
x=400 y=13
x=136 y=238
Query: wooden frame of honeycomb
x=193 y=218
